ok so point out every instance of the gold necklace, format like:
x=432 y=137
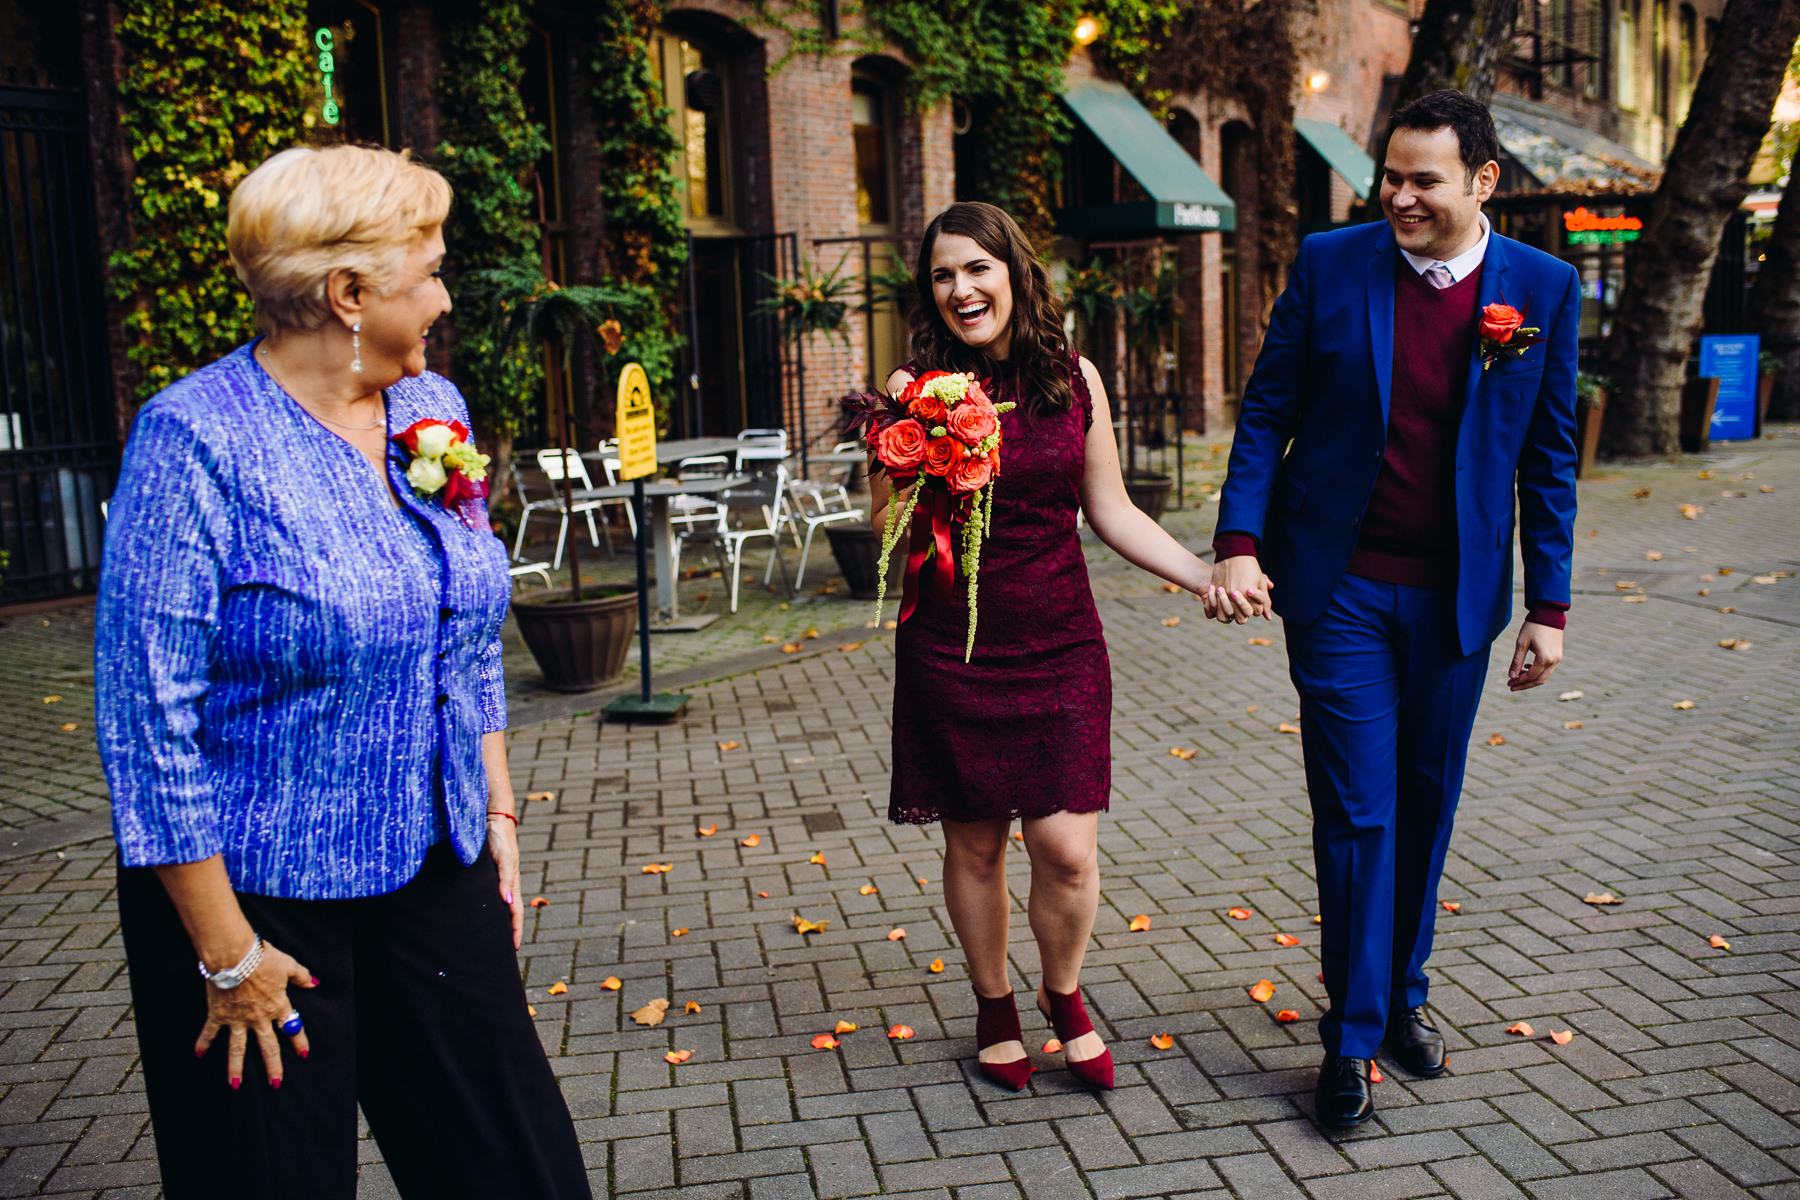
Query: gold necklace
x=270 y=368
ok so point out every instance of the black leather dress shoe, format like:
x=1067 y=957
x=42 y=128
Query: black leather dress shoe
x=1416 y=1046
x=1342 y=1098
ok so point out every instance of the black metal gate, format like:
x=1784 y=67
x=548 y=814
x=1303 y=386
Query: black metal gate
x=58 y=447
x=58 y=443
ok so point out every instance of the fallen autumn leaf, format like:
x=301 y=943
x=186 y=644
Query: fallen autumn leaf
x=802 y=925
x=1599 y=898
x=651 y=1013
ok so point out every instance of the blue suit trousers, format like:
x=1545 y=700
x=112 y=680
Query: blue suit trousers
x=1387 y=704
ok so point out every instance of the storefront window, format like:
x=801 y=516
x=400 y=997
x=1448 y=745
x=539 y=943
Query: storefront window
x=697 y=86
x=348 y=94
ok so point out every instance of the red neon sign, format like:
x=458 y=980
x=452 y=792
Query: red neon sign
x=1583 y=221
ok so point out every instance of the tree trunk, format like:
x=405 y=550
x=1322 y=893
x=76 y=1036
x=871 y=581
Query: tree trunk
x=1704 y=181
x=1775 y=304
x=1459 y=45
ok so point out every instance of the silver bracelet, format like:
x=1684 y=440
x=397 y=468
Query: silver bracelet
x=231 y=977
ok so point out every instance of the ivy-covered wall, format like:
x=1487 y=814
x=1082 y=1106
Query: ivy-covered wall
x=489 y=149
x=210 y=90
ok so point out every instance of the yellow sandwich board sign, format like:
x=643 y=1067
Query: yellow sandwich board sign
x=636 y=424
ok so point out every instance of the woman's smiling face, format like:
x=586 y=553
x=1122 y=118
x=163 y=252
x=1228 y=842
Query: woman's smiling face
x=974 y=294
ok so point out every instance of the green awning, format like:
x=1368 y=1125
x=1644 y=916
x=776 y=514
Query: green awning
x=1340 y=154
x=1183 y=198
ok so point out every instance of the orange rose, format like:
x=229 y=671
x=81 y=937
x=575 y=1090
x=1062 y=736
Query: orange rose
x=1500 y=321
x=928 y=408
x=901 y=446
x=943 y=453
x=971 y=473
x=973 y=420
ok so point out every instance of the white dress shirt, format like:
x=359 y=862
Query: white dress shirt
x=1462 y=264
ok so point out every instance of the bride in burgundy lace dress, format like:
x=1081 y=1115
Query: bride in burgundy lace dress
x=1024 y=729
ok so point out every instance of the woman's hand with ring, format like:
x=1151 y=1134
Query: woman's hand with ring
x=256 y=1007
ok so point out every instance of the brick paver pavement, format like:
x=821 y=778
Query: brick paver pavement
x=1682 y=1077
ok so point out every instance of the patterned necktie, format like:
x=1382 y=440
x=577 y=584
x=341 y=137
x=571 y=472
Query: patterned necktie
x=1438 y=274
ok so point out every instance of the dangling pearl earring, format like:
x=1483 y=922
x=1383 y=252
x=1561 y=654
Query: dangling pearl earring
x=356 y=347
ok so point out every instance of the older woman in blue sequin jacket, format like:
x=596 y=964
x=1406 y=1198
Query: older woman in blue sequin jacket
x=301 y=717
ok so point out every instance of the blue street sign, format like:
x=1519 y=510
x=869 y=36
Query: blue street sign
x=1732 y=361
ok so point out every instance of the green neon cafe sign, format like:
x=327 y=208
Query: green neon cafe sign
x=327 y=68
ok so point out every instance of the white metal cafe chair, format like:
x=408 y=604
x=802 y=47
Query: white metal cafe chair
x=554 y=466
x=812 y=505
x=524 y=570
x=610 y=465
x=761 y=497
x=758 y=447
x=692 y=512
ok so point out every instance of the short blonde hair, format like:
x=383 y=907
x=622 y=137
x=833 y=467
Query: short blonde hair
x=306 y=212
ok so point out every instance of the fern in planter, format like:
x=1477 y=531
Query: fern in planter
x=813 y=302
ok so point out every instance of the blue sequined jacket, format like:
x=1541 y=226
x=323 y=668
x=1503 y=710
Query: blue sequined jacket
x=289 y=670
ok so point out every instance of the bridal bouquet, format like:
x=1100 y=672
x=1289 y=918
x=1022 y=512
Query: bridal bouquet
x=942 y=432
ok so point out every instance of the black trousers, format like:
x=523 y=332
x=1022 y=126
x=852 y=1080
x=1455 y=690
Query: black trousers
x=419 y=1015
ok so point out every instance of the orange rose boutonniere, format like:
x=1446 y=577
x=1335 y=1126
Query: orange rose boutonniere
x=1503 y=331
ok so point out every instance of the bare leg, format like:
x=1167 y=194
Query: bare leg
x=1065 y=895
x=975 y=893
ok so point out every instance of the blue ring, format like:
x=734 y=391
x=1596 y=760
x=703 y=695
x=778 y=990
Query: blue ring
x=292 y=1025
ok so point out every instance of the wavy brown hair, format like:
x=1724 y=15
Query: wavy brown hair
x=1037 y=366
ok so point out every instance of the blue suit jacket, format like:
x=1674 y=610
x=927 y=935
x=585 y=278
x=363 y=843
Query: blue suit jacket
x=1313 y=427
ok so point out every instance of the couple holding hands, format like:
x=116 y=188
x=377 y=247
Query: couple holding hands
x=1400 y=414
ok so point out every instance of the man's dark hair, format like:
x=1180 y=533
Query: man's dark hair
x=1448 y=108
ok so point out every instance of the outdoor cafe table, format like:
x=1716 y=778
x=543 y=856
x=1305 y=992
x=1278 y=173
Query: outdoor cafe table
x=657 y=493
x=680 y=450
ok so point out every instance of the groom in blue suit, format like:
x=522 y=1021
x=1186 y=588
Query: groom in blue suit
x=1395 y=414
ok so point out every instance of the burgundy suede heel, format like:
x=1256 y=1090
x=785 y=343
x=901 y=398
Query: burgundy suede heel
x=1069 y=1016
x=997 y=1021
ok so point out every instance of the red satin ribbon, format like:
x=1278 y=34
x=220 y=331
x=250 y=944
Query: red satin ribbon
x=932 y=533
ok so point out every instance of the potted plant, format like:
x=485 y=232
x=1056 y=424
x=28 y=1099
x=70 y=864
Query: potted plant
x=579 y=638
x=857 y=549
x=1768 y=366
x=813 y=302
x=1590 y=407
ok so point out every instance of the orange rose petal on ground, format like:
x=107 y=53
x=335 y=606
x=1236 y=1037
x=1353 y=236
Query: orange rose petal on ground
x=1318 y=920
x=658 y=868
x=764 y=895
x=824 y=1042
x=901 y=1032
x=724 y=746
x=1286 y=939
x=611 y=983
x=844 y=1027
x=1171 y=621
x=936 y=967
x=1181 y=752
x=1520 y=1028
x=895 y=935
x=1018 y=836
x=558 y=988
x=923 y=881
x=692 y=1006
x=1374 y=1073
x=1139 y=924
x=1052 y=1047
x=540 y=902
x=1451 y=906
x=1496 y=740
x=1718 y=943
x=531 y=1009
x=708 y=830
x=1262 y=991
x=1286 y=1015
x=1261 y=642
x=1239 y=914
x=1162 y=1041
x=1170 y=588
x=868 y=889
x=678 y=1056
x=754 y=839
x=1284 y=727
x=677 y=932
x=1562 y=1037
x=817 y=860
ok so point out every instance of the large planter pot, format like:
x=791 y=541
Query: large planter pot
x=1765 y=389
x=858 y=554
x=1698 y=396
x=578 y=646
x=1150 y=492
x=1587 y=435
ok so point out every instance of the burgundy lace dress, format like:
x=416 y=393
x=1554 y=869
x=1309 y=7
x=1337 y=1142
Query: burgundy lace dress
x=1025 y=728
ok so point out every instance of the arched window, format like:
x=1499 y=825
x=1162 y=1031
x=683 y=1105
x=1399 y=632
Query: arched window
x=872 y=131
x=700 y=87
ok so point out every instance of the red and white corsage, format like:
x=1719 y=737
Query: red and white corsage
x=445 y=465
